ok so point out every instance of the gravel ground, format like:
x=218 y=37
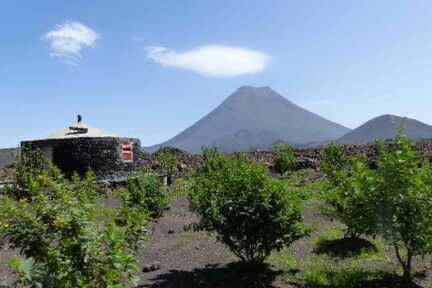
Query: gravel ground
x=187 y=258
x=190 y=258
x=6 y=252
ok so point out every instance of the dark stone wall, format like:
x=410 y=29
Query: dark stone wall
x=306 y=158
x=103 y=155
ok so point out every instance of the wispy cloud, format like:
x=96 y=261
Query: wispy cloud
x=67 y=40
x=212 y=60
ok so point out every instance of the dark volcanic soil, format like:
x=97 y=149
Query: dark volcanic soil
x=179 y=249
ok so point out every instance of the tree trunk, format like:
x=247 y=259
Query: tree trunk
x=407 y=267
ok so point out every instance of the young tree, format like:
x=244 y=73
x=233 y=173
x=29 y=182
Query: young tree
x=394 y=200
x=333 y=162
x=285 y=160
x=168 y=163
x=251 y=213
x=347 y=192
x=405 y=185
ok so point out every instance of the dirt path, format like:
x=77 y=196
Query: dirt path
x=192 y=259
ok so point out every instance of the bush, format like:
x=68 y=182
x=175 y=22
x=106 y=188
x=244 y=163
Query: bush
x=167 y=162
x=394 y=200
x=353 y=201
x=146 y=192
x=251 y=213
x=285 y=159
x=405 y=185
x=333 y=162
x=28 y=165
x=67 y=236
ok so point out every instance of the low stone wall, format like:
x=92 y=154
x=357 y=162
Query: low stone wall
x=306 y=158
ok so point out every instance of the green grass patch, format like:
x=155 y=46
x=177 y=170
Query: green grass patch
x=303 y=184
x=283 y=259
x=320 y=273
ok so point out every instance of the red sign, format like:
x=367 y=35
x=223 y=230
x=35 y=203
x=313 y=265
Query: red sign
x=127 y=153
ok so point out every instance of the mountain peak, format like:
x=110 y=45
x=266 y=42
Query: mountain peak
x=255 y=118
x=386 y=127
x=254 y=88
x=253 y=91
x=388 y=117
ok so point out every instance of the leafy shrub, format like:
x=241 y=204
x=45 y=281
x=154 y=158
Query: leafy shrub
x=394 y=200
x=333 y=162
x=405 y=185
x=346 y=191
x=285 y=159
x=168 y=162
x=29 y=165
x=146 y=192
x=67 y=236
x=251 y=213
x=354 y=199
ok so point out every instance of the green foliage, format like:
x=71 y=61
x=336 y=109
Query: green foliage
x=167 y=161
x=322 y=275
x=69 y=238
x=333 y=162
x=405 y=205
x=285 y=160
x=352 y=198
x=146 y=192
x=29 y=165
x=299 y=182
x=394 y=200
x=26 y=270
x=251 y=213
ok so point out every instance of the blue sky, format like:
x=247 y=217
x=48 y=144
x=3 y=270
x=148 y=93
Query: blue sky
x=149 y=69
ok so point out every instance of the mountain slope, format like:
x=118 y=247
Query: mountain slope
x=8 y=156
x=254 y=118
x=385 y=127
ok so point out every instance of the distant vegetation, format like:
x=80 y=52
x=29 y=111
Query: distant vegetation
x=285 y=160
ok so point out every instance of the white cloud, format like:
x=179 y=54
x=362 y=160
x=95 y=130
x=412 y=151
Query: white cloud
x=67 y=40
x=212 y=61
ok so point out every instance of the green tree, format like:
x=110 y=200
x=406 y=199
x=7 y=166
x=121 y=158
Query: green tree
x=167 y=162
x=405 y=185
x=285 y=160
x=353 y=200
x=28 y=165
x=251 y=213
x=146 y=191
x=394 y=200
x=333 y=162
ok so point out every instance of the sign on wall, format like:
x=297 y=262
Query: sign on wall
x=127 y=152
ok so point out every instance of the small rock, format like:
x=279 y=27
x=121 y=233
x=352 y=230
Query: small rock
x=155 y=266
x=146 y=268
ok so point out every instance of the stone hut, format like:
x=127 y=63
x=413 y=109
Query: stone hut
x=80 y=147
